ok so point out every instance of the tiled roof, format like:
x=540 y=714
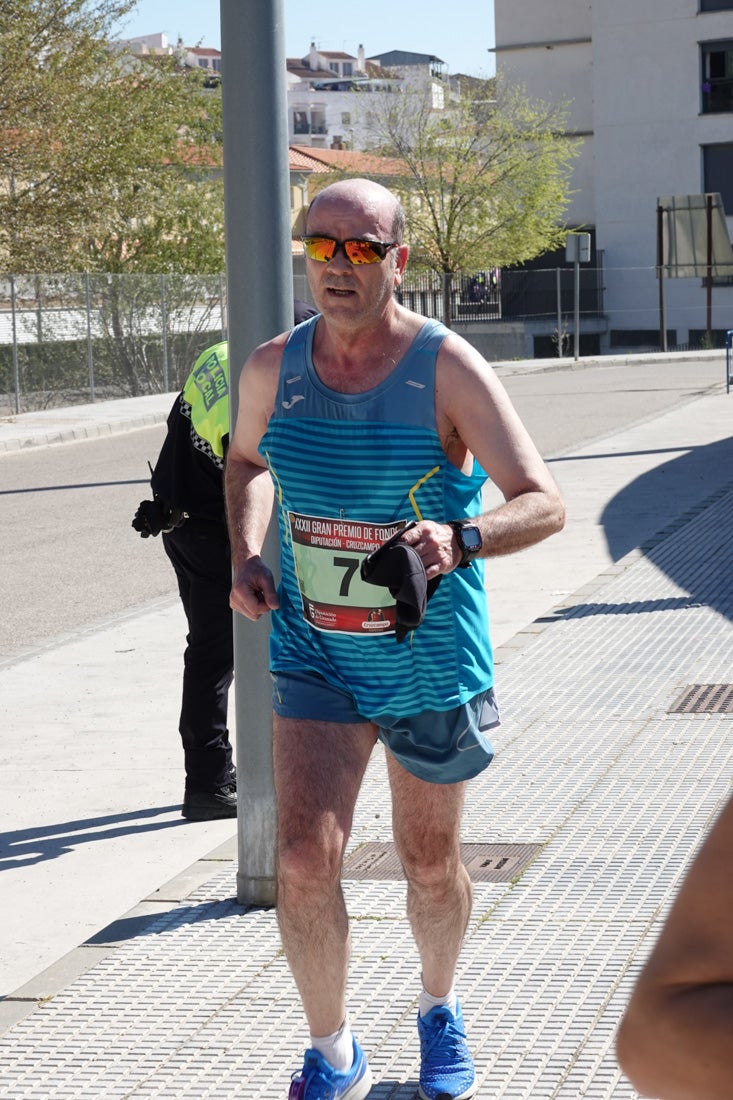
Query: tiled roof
x=346 y=160
x=299 y=68
x=299 y=159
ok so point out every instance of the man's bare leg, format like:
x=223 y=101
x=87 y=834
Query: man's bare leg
x=318 y=770
x=426 y=821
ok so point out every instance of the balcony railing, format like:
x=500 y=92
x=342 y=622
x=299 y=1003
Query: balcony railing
x=717 y=96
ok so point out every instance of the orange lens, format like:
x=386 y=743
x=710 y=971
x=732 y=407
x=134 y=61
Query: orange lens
x=321 y=249
x=363 y=252
x=357 y=251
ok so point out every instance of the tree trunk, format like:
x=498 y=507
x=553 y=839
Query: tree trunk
x=448 y=299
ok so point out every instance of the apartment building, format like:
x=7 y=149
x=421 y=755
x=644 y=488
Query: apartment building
x=651 y=91
x=323 y=109
x=194 y=57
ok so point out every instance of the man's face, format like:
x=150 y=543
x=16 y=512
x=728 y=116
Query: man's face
x=340 y=289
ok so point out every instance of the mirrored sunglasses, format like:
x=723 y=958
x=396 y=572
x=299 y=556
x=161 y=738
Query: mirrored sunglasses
x=356 y=250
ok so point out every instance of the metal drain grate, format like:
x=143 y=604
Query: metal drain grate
x=705 y=699
x=484 y=862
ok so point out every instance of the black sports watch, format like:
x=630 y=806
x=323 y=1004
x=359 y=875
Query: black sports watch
x=469 y=541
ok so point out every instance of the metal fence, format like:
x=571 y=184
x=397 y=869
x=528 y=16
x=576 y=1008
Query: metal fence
x=497 y=295
x=618 y=309
x=72 y=339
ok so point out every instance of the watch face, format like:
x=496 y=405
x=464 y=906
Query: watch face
x=471 y=539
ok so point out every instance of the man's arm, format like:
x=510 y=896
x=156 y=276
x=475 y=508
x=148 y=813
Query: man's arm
x=248 y=486
x=676 y=1038
x=477 y=419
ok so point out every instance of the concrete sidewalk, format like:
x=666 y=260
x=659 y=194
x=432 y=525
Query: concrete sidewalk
x=596 y=780
x=73 y=423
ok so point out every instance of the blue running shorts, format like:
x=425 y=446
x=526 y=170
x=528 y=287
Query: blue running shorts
x=439 y=746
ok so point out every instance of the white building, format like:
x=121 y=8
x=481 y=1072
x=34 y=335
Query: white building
x=323 y=109
x=651 y=85
x=195 y=57
x=149 y=43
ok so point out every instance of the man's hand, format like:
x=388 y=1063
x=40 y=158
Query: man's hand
x=253 y=590
x=436 y=544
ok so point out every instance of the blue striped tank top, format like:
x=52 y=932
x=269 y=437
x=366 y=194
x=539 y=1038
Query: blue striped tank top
x=348 y=470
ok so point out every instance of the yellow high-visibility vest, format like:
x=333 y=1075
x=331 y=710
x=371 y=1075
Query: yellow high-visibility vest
x=206 y=395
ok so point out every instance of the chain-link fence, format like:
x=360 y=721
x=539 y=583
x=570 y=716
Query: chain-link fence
x=70 y=339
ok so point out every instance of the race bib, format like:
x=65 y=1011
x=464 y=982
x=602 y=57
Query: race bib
x=328 y=555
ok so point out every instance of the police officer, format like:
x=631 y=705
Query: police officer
x=188 y=509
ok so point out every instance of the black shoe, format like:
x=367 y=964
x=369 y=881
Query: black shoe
x=210 y=805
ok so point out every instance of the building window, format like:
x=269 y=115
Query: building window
x=717 y=170
x=639 y=338
x=301 y=125
x=345 y=118
x=318 y=123
x=717 y=76
x=699 y=336
x=347 y=69
x=716 y=5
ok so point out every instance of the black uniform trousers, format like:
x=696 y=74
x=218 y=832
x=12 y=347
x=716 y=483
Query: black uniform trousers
x=199 y=553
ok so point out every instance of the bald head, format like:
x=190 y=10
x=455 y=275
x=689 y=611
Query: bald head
x=366 y=197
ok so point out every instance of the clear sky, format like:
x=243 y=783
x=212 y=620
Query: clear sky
x=458 y=31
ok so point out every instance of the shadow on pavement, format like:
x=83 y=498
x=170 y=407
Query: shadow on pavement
x=390 y=1089
x=81 y=485
x=708 y=471
x=683 y=481
x=147 y=924
x=635 y=607
x=26 y=847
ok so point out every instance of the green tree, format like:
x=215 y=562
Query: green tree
x=486 y=180
x=108 y=161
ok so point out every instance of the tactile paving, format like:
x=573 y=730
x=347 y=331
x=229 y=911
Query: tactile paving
x=591 y=766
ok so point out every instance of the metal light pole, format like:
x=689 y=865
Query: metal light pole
x=260 y=304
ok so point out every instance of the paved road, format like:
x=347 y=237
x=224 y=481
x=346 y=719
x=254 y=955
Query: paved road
x=90 y=770
x=69 y=557
x=569 y=406
x=73 y=560
x=631 y=446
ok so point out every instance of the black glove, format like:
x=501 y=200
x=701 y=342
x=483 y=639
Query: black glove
x=153 y=516
x=398 y=567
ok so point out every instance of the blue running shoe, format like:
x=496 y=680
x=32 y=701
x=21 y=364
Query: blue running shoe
x=446 y=1069
x=320 y=1081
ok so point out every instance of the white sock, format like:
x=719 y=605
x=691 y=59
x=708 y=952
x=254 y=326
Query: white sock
x=337 y=1049
x=428 y=1001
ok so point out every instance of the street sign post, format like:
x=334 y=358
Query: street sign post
x=577 y=252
